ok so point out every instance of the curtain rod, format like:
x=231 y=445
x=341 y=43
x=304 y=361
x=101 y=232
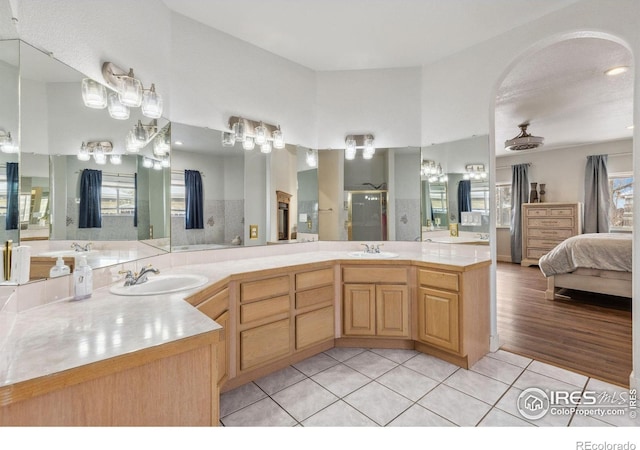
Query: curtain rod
x=509 y=167
x=113 y=174
x=181 y=171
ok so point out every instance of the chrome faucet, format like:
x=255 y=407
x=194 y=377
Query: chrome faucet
x=367 y=249
x=79 y=248
x=132 y=278
x=372 y=248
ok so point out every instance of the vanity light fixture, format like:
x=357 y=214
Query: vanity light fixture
x=94 y=94
x=7 y=144
x=354 y=142
x=99 y=150
x=252 y=133
x=524 y=141
x=475 y=172
x=433 y=171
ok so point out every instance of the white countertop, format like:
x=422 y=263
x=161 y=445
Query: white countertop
x=67 y=334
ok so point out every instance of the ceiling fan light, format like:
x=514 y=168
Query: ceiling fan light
x=523 y=141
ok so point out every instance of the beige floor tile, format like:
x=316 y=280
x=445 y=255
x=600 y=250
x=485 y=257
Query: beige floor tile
x=377 y=402
x=339 y=414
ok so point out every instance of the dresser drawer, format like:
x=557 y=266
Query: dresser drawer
x=536 y=253
x=313 y=297
x=537 y=212
x=270 y=287
x=560 y=222
x=374 y=275
x=567 y=212
x=543 y=243
x=315 y=278
x=442 y=280
x=550 y=233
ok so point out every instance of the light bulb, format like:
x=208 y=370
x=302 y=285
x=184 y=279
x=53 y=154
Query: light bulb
x=94 y=94
x=116 y=109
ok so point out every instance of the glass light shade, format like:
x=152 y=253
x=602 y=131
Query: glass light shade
x=140 y=132
x=278 y=138
x=151 y=103
x=312 y=161
x=266 y=147
x=83 y=153
x=248 y=143
x=130 y=91
x=7 y=145
x=369 y=149
x=350 y=153
x=94 y=94
x=228 y=139
x=238 y=130
x=157 y=165
x=367 y=154
x=160 y=145
x=115 y=159
x=132 y=144
x=260 y=133
x=146 y=162
x=116 y=109
x=466 y=176
x=99 y=157
x=165 y=162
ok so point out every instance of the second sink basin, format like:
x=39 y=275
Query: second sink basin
x=380 y=255
x=161 y=284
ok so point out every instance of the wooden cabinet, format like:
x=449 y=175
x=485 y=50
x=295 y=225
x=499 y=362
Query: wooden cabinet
x=375 y=308
x=545 y=225
x=453 y=314
x=314 y=310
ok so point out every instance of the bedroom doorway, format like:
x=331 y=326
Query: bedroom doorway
x=562 y=92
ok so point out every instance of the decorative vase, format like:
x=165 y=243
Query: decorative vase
x=542 y=192
x=533 y=195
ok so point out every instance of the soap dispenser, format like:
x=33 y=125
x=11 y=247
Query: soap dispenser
x=59 y=269
x=82 y=279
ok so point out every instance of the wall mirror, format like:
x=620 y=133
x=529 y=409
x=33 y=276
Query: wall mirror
x=9 y=158
x=55 y=128
x=376 y=199
x=221 y=170
x=454 y=191
x=308 y=212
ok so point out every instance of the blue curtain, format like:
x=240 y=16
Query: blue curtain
x=597 y=198
x=90 y=193
x=135 y=199
x=519 y=195
x=13 y=187
x=194 y=211
x=464 y=198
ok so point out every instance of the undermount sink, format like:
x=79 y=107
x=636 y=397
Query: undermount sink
x=380 y=255
x=161 y=284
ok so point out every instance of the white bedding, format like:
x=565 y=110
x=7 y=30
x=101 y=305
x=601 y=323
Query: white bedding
x=603 y=251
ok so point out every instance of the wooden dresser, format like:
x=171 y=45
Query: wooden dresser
x=545 y=225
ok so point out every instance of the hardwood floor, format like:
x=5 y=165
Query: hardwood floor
x=586 y=333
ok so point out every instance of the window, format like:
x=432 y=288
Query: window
x=480 y=197
x=3 y=194
x=621 y=190
x=178 y=204
x=118 y=195
x=503 y=205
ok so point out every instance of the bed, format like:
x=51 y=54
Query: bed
x=594 y=262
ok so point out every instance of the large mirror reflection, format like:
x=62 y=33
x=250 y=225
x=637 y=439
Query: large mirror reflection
x=455 y=191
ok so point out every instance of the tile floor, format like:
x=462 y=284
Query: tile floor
x=382 y=387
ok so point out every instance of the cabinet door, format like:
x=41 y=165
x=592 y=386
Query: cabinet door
x=438 y=321
x=314 y=327
x=264 y=344
x=359 y=303
x=392 y=311
x=223 y=348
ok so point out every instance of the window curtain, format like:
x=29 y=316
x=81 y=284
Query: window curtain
x=90 y=194
x=13 y=187
x=464 y=198
x=519 y=195
x=597 y=198
x=135 y=199
x=194 y=211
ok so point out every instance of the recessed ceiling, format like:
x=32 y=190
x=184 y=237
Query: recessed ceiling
x=563 y=92
x=364 y=34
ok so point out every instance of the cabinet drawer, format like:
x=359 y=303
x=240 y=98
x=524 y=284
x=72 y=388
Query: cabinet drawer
x=543 y=243
x=537 y=212
x=374 y=275
x=216 y=305
x=314 y=327
x=264 y=308
x=563 y=212
x=442 y=280
x=314 y=297
x=549 y=233
x=536 y=253
x=316 y=278
x=271 y=287
x=264 y=343
x=561 y=222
